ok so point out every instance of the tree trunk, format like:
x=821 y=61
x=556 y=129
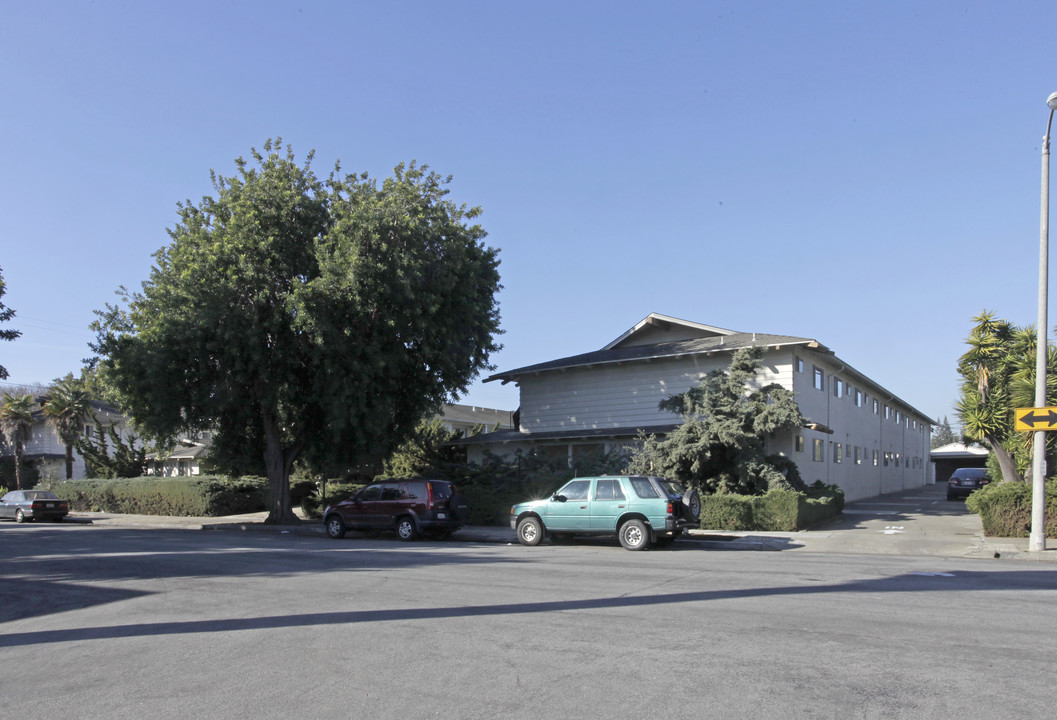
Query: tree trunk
x=1005 y=461
x=69 y=461
x=277 y=461
x=18 y=467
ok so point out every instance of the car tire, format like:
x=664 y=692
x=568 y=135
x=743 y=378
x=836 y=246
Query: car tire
x=406 y=529
x=529 y=531
x=20 y=517
x=335 y=527
x=634 y=535
x=692 y=505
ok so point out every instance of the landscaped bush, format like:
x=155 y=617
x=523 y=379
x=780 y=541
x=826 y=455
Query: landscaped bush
x=726 y=512
x=337 y=490
x=1005 y=508
x=197 y=496
x=780 y=510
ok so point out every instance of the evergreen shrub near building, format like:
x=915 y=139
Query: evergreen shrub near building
x=1005 y=508
x=208 y=496
x=779 y=510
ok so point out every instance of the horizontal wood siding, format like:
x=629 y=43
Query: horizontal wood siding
x=617 y=396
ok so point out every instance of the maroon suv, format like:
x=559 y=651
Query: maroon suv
x=411 y=507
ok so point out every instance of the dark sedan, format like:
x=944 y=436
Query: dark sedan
x=965 y=480
x=25 y=505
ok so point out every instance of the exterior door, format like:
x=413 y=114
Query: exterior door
x=608 y=504
x=573 y=513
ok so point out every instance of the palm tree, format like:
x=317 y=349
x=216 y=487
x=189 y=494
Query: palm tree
x=66 y=407
x=16 y=419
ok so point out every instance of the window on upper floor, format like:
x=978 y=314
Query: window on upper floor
x=838 y=387
x=819 y=379
x=838 y=453
x=800 y=443
x=800 y=364
x=858 y=398
x=817 y=450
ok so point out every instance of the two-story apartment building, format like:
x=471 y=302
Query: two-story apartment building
x=858 y=435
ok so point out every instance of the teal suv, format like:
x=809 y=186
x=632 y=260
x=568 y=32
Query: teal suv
x=641 y=511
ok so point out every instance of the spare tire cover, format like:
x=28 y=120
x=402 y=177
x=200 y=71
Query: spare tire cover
x=460 y=511
x=692 y=505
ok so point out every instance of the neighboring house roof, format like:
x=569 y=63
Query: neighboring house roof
x=959 y=451
x=472 y=414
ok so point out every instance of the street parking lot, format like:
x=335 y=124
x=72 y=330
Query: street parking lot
x=121 y=623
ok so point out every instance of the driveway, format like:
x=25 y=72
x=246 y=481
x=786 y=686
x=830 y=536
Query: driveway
x=916 y=522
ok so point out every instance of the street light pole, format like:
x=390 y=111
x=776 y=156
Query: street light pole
x=1037 y=540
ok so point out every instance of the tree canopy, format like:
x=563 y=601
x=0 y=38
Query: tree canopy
x=720 y=445
x=301 y=318
x=6 y=314
x=66 y=407
x=16 y=420
x=998 y=376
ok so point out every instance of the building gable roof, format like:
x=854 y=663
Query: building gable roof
x=633 y=353
x=663 y=323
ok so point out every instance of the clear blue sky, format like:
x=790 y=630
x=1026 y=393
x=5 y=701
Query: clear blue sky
x=866 y=174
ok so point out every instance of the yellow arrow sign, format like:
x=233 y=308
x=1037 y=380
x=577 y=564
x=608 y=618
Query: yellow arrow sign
x=1044 y=418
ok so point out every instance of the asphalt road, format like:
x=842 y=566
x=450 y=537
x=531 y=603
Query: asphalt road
x=100 y=622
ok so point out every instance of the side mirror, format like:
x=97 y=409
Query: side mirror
x=559 y=498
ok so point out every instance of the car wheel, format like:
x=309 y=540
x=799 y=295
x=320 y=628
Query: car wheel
x=692 y=505
x=20 y=517
x=634 y=535
x=335 y=527
x=405 y=529
x=529 y=531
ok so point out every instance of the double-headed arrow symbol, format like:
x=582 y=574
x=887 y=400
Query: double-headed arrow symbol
x=1037 y=418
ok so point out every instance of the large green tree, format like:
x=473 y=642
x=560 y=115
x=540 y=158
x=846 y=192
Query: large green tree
x=16 y=420
x=66 y=407
x=6 y=314
x=720 y=444
x=301 y=318
x=998 y=376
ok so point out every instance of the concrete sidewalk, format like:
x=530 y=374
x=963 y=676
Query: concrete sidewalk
x=917 y=522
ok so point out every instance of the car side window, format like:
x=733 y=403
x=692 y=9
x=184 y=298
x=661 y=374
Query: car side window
x=413 y=491
x=391 y=491
x=643 y=488
x=371 y=492
x=608 y=490
x=576 y=490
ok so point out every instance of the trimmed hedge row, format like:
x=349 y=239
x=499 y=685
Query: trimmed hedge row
x=1005 y=508
x=198 y=496
x=777 y=511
